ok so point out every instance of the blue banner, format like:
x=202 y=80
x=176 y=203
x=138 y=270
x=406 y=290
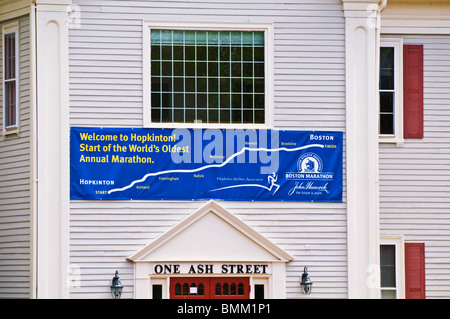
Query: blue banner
x=203 y=164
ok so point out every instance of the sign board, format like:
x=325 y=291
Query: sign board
x=211 y=268
x=203 y=164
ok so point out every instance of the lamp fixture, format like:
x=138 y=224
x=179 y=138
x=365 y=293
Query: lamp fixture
x=306 y=283
x=116 y=286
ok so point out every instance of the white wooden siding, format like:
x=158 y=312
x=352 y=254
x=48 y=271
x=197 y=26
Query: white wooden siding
x=106 y=90
x=15 y=184
x=414 y=179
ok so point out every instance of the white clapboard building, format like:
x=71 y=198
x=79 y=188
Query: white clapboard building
x=113 y=118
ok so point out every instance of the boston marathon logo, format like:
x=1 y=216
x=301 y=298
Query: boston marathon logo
x=309 y=175
x=309 y=167
x=309 y=163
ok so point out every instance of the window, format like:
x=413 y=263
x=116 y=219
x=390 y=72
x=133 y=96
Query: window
x=392 y=267
x=10 y=76
x=259 y=291
x=387 y=91
x=260 y=288
x=207 y=75
x=391 y=91
x=388 y=279
x=157 y=291
x=158 y=288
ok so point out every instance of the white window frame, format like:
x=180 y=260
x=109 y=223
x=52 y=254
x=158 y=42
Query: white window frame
x=397 y=137
x=164 y=282
x=399 y=243
x=260 y=281
x=8 y=29
x=268 y=76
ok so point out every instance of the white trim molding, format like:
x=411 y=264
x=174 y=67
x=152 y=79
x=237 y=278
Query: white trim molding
x=417 y=17
x=8 y=29
x=212 y=206
x=11 y=9
x=269 y=70
x=52 y=122
x=362 y=105
x=399 y=242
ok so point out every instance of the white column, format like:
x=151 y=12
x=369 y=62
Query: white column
x=52 y=76
x=278 y=281
x=361 y=50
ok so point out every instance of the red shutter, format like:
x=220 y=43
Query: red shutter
x=415 y=271
x=413 y=91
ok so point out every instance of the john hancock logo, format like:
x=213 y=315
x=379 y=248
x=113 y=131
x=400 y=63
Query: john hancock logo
x=309 y=176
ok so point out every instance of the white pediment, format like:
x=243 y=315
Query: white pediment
x=211 y=233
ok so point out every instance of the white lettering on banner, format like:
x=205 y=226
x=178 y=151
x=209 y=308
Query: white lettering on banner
x=308 y=186
x=314 y=137
x=96 y=182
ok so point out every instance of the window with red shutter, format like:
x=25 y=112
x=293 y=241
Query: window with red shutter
x=390 y=115
x=388 y=271
x=387 y=91
x=415 y=271
x=413 y=91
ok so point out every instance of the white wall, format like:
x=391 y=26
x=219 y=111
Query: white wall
x=414 y=188
x=15 y=181
x=106 y=90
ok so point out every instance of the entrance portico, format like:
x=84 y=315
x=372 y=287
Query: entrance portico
x=211 y=244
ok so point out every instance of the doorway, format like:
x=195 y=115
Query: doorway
x=209 y=288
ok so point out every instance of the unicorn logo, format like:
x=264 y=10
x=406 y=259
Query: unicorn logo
x=309 y=163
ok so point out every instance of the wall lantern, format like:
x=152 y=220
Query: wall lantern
x=306 y=283
x=116 y=286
